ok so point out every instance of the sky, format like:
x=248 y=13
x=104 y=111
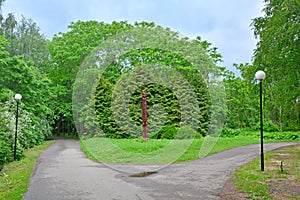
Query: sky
x=224 y=23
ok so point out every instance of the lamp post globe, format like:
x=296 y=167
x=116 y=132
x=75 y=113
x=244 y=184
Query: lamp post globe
x=18 y=97
x=260 y=75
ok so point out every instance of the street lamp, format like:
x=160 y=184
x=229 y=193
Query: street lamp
x=18 y=97
x=260 y=76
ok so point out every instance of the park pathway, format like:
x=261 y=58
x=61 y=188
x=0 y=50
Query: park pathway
x=63 y=172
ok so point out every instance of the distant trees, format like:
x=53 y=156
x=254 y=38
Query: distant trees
x=278 y=54
x=25 y=39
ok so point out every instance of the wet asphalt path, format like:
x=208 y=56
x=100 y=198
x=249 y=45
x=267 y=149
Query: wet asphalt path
x=63 y=172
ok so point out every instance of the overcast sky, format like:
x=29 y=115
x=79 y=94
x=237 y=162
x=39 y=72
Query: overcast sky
x=224 y=23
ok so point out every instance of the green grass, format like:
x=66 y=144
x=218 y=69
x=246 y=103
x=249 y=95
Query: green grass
x=166 y=151
x=273 y=183
x=157 y=151
x=14 y=178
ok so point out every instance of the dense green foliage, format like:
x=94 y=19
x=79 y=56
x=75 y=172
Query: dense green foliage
x=277 y=53
x=19 y=77
x=166 y=132
x=68 y=50
x=164 y=106
x=271 y=132
x=25 y=40
x=20 y=45
x=242 y=100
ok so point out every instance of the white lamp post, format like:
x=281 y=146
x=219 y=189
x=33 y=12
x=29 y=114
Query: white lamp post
x=18 y=97
x=260 y=76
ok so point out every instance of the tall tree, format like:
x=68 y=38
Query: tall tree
x=67 y=52
x=278 y=54
x=29 y=42
x=25 y=40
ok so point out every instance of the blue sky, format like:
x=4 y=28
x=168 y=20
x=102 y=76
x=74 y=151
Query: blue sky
x=226 y=24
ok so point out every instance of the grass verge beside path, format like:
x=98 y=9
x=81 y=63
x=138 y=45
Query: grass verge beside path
x=136 y=151
x=14 y=178
x=273 y=183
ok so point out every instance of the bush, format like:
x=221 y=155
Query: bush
x=268 y=127
x=282 y=136
x=7 y=150
x=228 y=132
x=166 y=132
x=292 y=126
x=30 y=129
x=187 y=133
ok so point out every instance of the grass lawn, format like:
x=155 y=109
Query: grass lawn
x=158 y=151
x=274 y=182
x=14 y=178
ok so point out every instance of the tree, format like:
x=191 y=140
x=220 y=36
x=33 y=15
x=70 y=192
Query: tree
x=278 y=54
x=29 y=42
x=67 y=52
x=25 y=39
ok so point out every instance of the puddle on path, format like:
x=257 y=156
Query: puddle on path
x=143 y=174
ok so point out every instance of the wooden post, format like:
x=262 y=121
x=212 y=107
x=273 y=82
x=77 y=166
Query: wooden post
x=144 y=115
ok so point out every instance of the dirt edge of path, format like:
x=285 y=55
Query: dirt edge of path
x=230 y=192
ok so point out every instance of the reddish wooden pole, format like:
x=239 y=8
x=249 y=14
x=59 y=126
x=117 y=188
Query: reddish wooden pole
x=144 y=115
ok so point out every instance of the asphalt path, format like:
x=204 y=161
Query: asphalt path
x=63 y=172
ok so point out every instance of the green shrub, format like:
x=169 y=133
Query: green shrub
x=282 y=135
x=30 y=129
x=292 y=126
x=7 y=150
x=141 y=140
x=268 y=127
x=228 y=132
x=166 y=132
x=187 y=133
x=198 y=136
